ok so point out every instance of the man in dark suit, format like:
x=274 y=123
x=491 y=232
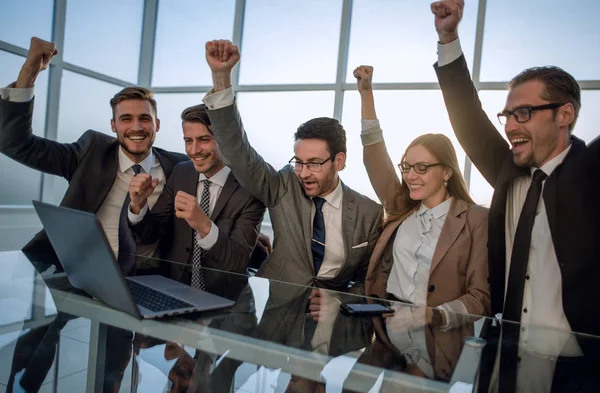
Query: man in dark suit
x=544 y=222
x=98 y=167
x=224 y=236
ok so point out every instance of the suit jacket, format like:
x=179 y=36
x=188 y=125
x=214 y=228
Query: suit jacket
x=290 y=211
x=237 y=214
x=89 y=165
x=458 y=270
x=571 y=194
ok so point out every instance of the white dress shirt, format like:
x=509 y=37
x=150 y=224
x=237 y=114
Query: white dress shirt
x=110 y=210
x=334 y=239
x=217 y=182
x=545 y=331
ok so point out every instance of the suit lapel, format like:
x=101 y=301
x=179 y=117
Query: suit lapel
x=109 y=168
x=349 y=214
x=454 y=224
x=189 y=185
x=166 y=165
x=230 y=186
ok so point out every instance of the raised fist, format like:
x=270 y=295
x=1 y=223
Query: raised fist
x=364 y=78
x=38 y=59
x=140 y=188
x=448 y=14
x=221 y=56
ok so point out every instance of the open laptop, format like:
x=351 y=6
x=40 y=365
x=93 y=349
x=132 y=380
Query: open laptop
x=90 y=265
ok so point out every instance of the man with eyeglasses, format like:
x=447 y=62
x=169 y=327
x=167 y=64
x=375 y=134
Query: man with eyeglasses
x=324 y=232
x=544 y=223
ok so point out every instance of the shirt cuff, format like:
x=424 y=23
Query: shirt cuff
x=11 y=93
x=209 y=240
x=137 y=218
x=455 y=313
x=371 y=133
x=447 y=53
x=218 y=100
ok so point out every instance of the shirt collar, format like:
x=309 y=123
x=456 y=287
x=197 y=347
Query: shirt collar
x=438 y=211
x=125 y=162
x=335 y=197
x=218 y=178
x=551 y=165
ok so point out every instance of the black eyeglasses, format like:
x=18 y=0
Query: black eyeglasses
x=523 y=114
x=311 y=166
x=419 y=167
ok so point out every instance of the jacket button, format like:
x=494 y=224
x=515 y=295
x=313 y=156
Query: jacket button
x=431 y=288
x=187 y=249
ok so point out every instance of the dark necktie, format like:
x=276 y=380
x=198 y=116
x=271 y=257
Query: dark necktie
x=516 y=284
x=197 y=275
x=318 y=239
x=127 y=247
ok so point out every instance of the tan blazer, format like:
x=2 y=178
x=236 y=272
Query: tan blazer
x=459 y=268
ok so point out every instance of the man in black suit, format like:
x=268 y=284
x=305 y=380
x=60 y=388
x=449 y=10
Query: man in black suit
x=544 y=222
x=221 y=238
x=98 y=167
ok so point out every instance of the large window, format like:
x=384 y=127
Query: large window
x=181 y=33
x=521 y=34
x=104 y=36
x=397 y=38
x=290 y=42
x=23 y=19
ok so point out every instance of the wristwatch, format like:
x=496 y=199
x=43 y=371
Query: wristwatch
x=436 y=318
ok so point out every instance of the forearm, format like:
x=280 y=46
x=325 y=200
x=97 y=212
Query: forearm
x=26 y=78
x=367 y=101
x=221 y=80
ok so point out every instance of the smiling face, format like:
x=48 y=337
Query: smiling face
x=545 y=135
x=201 y=148
x=429 y=187
x=136 y=125
x=326 y=180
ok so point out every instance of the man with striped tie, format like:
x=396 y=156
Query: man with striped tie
x=203 y=217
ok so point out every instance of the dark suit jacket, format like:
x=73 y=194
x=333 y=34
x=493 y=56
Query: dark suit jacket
x=237 y=214
x=89 y=165
x=571 y=195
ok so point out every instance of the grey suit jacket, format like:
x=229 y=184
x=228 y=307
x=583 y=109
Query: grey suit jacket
x=237 y=214
x=89 y=165
x=290 y=211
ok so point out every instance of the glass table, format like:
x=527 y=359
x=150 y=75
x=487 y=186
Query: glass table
x=55 y=338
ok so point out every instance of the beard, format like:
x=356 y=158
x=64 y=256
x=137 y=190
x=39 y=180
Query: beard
x=525 y=160
x=137 y=150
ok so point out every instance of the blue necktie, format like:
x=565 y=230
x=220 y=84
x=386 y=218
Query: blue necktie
x=318 y=239
x=127 y=247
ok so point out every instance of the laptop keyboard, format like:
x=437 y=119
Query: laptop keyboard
x=153 y=299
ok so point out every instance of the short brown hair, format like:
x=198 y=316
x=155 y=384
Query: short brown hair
x=196 y=114
x=559 y=86
x=133 y=93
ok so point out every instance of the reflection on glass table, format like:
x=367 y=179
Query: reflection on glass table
x=269 y=341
